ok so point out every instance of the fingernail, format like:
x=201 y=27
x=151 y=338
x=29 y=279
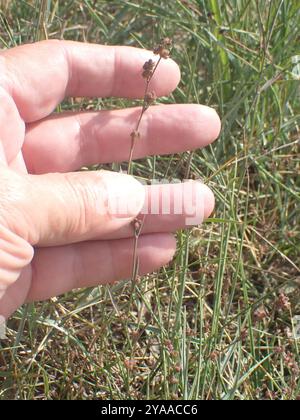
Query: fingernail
x=208 y=199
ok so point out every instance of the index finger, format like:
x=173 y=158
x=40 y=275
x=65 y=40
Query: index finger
x=39 y=76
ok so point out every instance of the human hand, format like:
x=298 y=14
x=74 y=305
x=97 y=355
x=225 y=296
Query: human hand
x=56 y=228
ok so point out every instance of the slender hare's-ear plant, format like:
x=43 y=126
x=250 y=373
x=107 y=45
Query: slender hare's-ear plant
x=148 y=71
x=162 y=50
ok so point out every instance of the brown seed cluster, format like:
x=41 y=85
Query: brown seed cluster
x=177 y=368
x=291 y=363
x=173 y=380
x=260 y=314
x=163 y=49
x=283 y=302
x=134 y=135
x=214 y=355
x=148 y=68
x=150 y=99
x=137 y=226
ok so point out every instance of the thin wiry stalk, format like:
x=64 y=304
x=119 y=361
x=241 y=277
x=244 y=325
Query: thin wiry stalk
x=135 y=134
x=149 y=70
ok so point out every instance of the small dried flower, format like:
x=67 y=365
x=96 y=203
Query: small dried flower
x=283 y=302
x=150 y=98
x=214 y=356
x=290 y=362
x=173 y=380
x=163 y=52
x=167 y=42
x=278 y=349
x=137 y=225
x=148 y=69
x=169 y=345
x=163 y=49
x=177 y=368
x=135 y=334
x=260 y=314
x=134 y=135
x=174 y=354
x=270 y=395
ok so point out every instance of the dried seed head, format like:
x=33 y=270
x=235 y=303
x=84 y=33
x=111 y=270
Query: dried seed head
x=166 y=42
x=137 y=226
x=148 y=69
x=169 y=345
x=291 y=363
x=134 y=135
x=150 y=98
x=260 y=314
x=173 y=380
x=283 y=302
x=163 y=52
x=214 y=356
x=178 y=368
x=270 y=395
x=163 y=49
x=149 y=65
x=174 y=354
x=135 y=334
x=279 y=350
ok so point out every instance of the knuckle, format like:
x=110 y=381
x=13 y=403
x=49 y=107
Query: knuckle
x=14 y=200
x=85 y=196
x=15 y=254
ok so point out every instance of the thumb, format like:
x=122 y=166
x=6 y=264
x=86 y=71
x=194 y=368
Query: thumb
x=15 y=254
x=57 y=209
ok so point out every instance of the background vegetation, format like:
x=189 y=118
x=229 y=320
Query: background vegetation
x=218 y=322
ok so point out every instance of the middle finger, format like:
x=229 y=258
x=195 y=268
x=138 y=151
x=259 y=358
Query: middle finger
x=65 y=142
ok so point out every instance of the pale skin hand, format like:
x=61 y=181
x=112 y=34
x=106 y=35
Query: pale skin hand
x=52 y=238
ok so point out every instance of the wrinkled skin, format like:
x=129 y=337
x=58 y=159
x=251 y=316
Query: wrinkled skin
x=52 y=236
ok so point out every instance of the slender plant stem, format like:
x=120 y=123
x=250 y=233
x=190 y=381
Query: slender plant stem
x=145 y=106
